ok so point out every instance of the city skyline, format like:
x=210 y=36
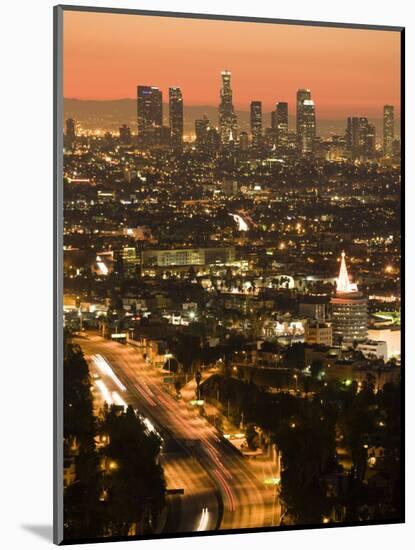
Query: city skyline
x=231 y=277
x=170 y=113
x=347 y=74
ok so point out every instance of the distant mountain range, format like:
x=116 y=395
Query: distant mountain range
x=110 y=114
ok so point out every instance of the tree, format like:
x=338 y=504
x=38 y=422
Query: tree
x=132 y=477
x=316 y=368
x=82 y=514
x=294 y=356
x=251 y=436
x=186 y=348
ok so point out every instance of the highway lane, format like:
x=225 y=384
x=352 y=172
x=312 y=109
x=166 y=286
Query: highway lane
x=213 y=465
x=201 y=499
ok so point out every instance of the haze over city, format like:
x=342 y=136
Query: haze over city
x=350 y=71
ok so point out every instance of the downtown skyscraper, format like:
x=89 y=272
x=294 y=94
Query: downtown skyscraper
x=302 y=95
x=149 y=114
x=201 y=130
x=280 y=123
x=256 y=123
x=306 y=122
x=228 y=124
x=70 y=134
x=360 y=138
x=388 y=129
x=176 y=116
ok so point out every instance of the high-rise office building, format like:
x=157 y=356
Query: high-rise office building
x=125 y=135
x=302 y=95
x=243 y=141
x=149 y=114
x=70 y=133
x=256 y=123
x=176 y=116
x=228 y=125
x=269 y=139
x=353 y=135
x=213 y=139
x=370 y=141
x=201 y=130
x=279 y=122
x=360 y=138
x=388 y=129
x=308 y=127
x=349 y=310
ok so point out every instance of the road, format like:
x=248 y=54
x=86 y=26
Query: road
x=220 y=489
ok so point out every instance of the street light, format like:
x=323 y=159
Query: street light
x=168 y=356
x=296 y=382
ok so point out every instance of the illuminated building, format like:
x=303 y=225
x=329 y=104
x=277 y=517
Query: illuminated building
x=319 y=333
x=270 y=137
x=163 y=136
x=213 y=139
x=374 y=349
x=360 y=138
x=349 y=310
x=388 y=129
x=256 y=123
x=308 y=127
x=187 y=256
x=392 y=337
x=228 y=126
x=149 y=114
x=176 y=116
x=370 y=141
x=230 y=187
x=313 y=307
x=279 y=119
x=128 y=258
x=201 y=130
x=125 y=135
x=353 y=135
x=302 y=95
x=243 y=141
x=70 y=134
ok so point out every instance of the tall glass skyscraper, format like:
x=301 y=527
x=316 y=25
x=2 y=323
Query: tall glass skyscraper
x=176 y=116
x=228 y=125
x=360 y=138
x=256 y=123
x=280 y=122
x=388 y=129
x=149 y=114
x=70 y=134
x=306 y=122
x=302 y=95
x=308 y=127
x=201 y=130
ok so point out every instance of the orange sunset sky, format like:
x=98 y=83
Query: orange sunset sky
x=349 y=71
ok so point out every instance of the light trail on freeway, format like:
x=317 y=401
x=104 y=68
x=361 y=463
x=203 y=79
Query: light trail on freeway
x=213 y=474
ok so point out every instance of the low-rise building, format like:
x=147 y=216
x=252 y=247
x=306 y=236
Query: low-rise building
x=318 y=333
x=374 y=349
x=392 y=337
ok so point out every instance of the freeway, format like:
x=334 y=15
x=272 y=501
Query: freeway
x=220 y=488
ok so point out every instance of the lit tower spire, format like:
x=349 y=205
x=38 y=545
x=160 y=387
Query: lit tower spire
x=343 y=282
